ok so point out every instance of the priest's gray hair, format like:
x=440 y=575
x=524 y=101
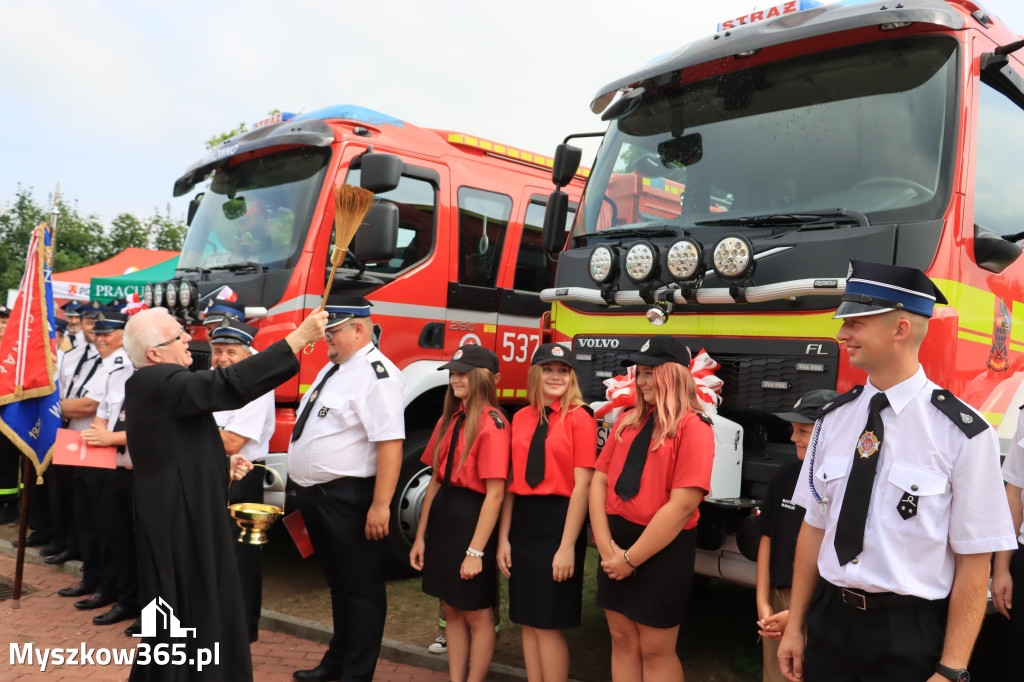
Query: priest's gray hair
x=142 y=333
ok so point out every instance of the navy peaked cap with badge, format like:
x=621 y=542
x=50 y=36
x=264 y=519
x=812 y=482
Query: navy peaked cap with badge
x=805 y=411
x=220 y=308
x=233 y=330
x=873 y=288
x=70 y=309
x=552 y=352
x=108 y=320
x=60 y=324
x=470 y=357
x=658 y=350
x=343 y=308
x=91 y=309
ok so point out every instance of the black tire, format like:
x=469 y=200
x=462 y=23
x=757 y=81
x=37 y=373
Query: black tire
x=406 y=505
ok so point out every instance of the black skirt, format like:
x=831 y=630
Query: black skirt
x=534 y=598
x=450 y=527
x=656 y=594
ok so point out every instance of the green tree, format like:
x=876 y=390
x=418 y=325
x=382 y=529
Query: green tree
x=168 y=232
x=16 y=224
x=241 y=128
x=127 y=231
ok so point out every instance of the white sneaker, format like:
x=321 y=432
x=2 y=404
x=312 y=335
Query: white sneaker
x=439 y=645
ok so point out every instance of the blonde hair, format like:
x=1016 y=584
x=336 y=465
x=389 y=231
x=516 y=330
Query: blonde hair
x=482 y=391
x=572 y=399
x=675 y=394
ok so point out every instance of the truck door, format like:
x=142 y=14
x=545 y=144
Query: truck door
x=472 y=314
x=520 y=309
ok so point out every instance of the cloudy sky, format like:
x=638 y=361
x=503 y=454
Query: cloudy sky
x=115 y=99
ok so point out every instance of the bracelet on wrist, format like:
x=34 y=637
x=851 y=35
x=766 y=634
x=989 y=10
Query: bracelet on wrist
x=476 y=554
x=625 y=555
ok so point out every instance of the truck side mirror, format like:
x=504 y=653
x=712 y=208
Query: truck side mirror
x=553 y=236
x=193 y=206
x=567 y=162
x=380 y=172
x=377 y=238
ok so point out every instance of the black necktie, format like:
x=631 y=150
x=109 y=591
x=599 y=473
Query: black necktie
x=119 y=426
x=450 y=466
x=535 y=457
x=850 y=528
x=628 y=484
x=300 y=423
x=78 y=370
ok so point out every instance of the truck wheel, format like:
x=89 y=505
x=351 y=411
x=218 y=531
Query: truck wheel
x=406 y=506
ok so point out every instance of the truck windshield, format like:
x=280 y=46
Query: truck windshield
x=868 y=128
x=256 y=212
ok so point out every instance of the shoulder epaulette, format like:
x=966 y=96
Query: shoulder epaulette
x=379 y=368
x=969 y=421
x=498 y=421
x=704 y=418
x=841 y=400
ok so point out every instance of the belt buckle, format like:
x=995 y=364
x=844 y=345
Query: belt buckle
x=855 y=599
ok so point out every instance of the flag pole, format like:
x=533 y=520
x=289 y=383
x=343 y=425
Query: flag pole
x=19 y=561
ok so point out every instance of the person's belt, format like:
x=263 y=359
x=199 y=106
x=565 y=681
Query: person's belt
x=336 y=482
x=874 y=600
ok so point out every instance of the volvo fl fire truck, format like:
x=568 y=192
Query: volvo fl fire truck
x=449 y=255
x=739 y=175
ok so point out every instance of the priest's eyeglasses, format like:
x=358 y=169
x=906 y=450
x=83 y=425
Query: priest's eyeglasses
x=170 y=341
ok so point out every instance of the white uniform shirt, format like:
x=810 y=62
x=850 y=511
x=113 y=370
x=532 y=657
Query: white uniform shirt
x=1013 y=465
x=961 y=505
x=89 y=382
x=357 y=408
x=69 y=364
x=113 y=405
x=255 y=421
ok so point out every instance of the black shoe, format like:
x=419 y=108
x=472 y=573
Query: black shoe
x=94 y=602
x=66 y=555
x=33 y=540
x=115 y=615
x=50 y=550
x=134 y=629
x=320 y=673
x=79 y=590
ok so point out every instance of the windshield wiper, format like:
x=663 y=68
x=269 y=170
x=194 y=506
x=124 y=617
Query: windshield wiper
x=627 y=232
x=238 y=267
x=800 y=218
x=199 y=268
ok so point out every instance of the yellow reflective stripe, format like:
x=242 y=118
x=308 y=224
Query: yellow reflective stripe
x=490 y=329
x=520 y=392
x=303 y=388
x=508 y=392
x=1017 y=347
x=9 y=491
x=993 y=417
x=971 y=336
x=778 y=325
x=1017 y=322
x=511 y=152
x=975 y=307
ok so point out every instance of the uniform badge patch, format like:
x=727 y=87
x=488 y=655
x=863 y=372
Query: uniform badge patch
x=907 y=507
x=380 y=369
x=966 y=418
x=323 y=412
x=118 y=360
x=645 y=347
x=868 y=444
x=458 y=355
x=557 y=352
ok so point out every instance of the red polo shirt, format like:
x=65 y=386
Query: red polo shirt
x=682 y=461
x=570 y=443
x=488 y=458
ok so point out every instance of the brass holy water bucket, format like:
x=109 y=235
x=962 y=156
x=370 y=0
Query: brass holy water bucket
x=253 y=518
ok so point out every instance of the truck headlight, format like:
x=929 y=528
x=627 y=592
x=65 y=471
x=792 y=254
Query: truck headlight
x=147 y=295
x=641 y=261
x=171 y=295
x=733 y=257
x=158 y=294
x=684 y=260
x=185 y=294
x=604 y=264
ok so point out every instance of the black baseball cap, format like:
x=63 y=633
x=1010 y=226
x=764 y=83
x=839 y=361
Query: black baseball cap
x=5 y=311
x=658 y=350
x=470 y=357
x=805 y=411
x=552 y=352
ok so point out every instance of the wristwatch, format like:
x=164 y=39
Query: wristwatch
x=952 y=674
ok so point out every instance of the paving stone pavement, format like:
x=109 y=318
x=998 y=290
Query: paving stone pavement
x=47 y=620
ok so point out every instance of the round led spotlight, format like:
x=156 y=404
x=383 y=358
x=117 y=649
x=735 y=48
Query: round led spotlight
x=158 y=294
x=147 y=295
x=185 y=294
x=684 y=260
x=733 y=257
x=171 y=294
x=641 y=262
x=657 y=316
x=603 y=264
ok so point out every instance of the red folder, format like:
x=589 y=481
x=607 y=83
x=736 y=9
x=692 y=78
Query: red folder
x=300 y=536
x=72 y=450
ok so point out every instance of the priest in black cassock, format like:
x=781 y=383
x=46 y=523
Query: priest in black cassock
x=184 y=539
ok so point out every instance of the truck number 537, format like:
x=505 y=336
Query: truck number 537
x=517 y=347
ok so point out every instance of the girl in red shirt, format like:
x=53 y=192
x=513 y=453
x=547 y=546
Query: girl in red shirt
x=652 y=474
x=456 y=540
x=554 y=445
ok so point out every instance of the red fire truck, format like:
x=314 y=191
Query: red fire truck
x=450 y=255
x=739 y=175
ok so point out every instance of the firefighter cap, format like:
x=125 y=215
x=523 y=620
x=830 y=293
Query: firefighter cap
x=873 y=288
x=658 y=350
x=221 y=308
x=60 y=324
x=553 y=352
x=91 y=309
x=470 y=357
x=341 y=309
x=109 y=320
x=70 y=309
x=233 y=330
x=805 y=411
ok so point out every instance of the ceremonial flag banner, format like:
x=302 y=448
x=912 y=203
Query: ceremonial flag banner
x=29 y=400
